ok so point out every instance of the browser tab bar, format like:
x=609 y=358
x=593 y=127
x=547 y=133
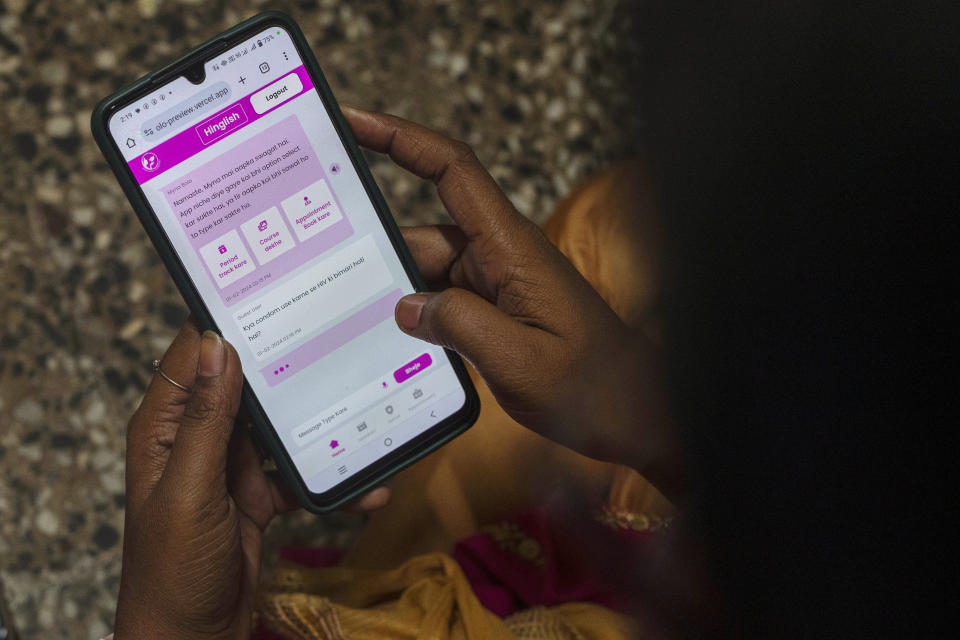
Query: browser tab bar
x=186 y=111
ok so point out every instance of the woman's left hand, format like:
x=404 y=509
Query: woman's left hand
x=198 y=501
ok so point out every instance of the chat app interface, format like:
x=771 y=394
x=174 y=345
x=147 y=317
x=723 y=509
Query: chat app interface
x=261 y=202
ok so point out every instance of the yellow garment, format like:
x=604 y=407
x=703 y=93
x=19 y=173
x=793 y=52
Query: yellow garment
x=426 y=597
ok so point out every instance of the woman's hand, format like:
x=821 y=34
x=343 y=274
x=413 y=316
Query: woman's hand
x=554 y=354
x=197 y=501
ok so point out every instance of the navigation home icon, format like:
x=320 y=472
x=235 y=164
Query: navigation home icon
x=150 y=161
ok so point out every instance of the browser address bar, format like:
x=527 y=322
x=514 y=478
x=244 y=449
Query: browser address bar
x=187 y=111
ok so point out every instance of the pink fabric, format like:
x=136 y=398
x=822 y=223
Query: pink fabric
x=575 y=553
x=311 y=557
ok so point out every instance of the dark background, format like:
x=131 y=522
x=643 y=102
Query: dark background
x=806 y=154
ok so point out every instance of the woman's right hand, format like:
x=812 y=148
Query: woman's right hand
x=554 y=354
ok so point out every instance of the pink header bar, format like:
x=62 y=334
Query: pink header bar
x=224 y=123
x=196 y=138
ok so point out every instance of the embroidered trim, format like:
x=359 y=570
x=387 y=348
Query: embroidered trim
x=509 y=537
x=628 y=520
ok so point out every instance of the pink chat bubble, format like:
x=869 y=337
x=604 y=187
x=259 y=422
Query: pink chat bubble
x=242 y=184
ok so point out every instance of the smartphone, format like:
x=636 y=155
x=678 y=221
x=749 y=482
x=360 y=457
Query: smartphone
x=247 y=179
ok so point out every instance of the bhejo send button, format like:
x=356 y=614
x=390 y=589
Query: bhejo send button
x=413 y=367
x=277 y=93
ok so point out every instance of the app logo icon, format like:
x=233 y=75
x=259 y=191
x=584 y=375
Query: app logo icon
x=150 y=161
x=222 y=249
x=334 y=444
x=262 y=226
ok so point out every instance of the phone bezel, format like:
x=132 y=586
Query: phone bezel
x=406 y=454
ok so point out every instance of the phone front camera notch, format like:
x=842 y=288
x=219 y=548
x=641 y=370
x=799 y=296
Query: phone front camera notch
x=195 y=74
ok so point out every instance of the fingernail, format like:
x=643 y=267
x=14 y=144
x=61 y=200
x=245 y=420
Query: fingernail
x=213 y=357
x=409 y=309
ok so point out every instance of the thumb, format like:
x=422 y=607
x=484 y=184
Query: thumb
x=199 y=452
x=466 y=323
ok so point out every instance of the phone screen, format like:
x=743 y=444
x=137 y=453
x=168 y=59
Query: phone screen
x=259 y=198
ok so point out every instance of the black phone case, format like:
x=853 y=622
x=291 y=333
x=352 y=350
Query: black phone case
x=267 y=438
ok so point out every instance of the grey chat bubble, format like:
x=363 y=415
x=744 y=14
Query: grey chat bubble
x=187 y=111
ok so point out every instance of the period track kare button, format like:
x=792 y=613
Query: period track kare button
x=413 y=367
x=311 y=210
x=227 y=259
x=267 y=235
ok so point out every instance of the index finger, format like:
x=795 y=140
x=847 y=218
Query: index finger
x=468 y=191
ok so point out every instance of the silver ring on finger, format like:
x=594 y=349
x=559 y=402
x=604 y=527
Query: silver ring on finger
x=163 y=374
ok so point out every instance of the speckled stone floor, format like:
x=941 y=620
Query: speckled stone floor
x=536 y=87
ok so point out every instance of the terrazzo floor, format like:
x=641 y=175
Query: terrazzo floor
x=540 y=89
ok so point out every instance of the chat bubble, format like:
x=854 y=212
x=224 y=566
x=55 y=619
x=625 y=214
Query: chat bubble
x=243 y=188
x=284 y=316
